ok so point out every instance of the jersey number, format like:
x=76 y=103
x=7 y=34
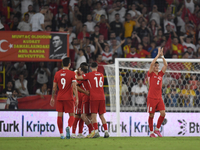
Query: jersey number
x=63 y=82
x=158 y=82
x=100 y=83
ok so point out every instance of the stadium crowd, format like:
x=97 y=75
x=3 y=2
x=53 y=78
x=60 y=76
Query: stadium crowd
x=102 y=30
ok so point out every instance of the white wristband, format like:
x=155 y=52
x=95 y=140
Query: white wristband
x=162 y=56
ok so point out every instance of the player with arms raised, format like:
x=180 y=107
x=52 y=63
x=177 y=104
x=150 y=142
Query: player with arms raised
x=97 y=98
x=65 y=80
x=154 y=98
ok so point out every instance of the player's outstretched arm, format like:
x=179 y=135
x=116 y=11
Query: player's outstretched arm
x=75 y=92
x=52 y=102
x=154 y=61
x=164 y=68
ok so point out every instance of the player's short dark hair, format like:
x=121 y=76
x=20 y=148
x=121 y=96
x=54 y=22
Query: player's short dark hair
x=66 y=61
x=84 y=68
x=83 y=64
x=94 y=65
x=156 y=62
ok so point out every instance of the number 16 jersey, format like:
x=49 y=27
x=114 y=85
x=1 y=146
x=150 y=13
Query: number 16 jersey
x=96 y=81
x=64 y=79
x=155 y=85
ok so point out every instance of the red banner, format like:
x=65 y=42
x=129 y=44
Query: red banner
x=33 y=46
x=35 y=102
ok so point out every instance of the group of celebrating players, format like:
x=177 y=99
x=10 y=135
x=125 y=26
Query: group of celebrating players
x=89 y=97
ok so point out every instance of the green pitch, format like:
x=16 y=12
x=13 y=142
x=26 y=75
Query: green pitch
x=122 y=143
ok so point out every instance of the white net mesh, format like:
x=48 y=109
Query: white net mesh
x=181 y=85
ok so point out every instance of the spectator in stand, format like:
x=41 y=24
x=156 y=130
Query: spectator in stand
x=81 y=57
x=113 y=36
x=112 y=13
x=170 y=31
x=77 y=19
x=135 y=39
x=121 y=10
x=25 y=4
x=193 y=82
x=143 y=30
x=12 y=102
x=139 y=92
x=30 y=12
x=48 y=17
x=64 y=4
x=132 y=53
x=82 y=35
x=71 y=8
x=187 y=43
x=100 y=63
x=177 y=49
x=153 y=50
x=104 y=27
x=37 y=21
x=191 y=30
x=143 y=53
x=154 y=27
x=60 y=14
x=22 y=86
x=145 y=42
x=159 y=38
x=11 y=75
x=16 y=5
x=190 y=4
x=24 y=25
x=42 y=91
x=172 y=98
x=90 y=24
x=95 y=34
x=188 y=95
x=98 y=12
x=42 y=73
x=7 y=92
x=20 y=66
x=87 y=42
x=85 y=9
x=167 y=21
x=128 y=26
x=3 y=22
x=155 y=14
x=89 y=53
x=145 y=12
x=127 y=48
x=64 y=23
x=117 y=27
x=57 y=68
x=134 y=13
x=48 y=28
x=14 y=25
x=115 y=45
x=53 y=7
x=124 y=94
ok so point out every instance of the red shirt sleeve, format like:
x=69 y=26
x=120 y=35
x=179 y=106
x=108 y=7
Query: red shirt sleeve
x=161 y=73
x=149 y=74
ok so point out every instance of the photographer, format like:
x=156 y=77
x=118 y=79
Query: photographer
x=12 y=102
x=42 y=74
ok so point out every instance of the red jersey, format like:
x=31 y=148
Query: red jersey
x=53 y=8
x=80 y=35
x=155 y=85
x=64 y=79
x=132 y=55
x=96 y=81
x=143 y=53
x=85 y=86
x=65 y=4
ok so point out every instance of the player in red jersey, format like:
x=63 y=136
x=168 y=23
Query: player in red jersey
x=154 y=98
x=78 y=119
x=65 y=80
x=97 y=98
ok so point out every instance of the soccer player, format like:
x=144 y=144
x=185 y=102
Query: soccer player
x=154 y=98
x=78 y=119
x=65 y=80
x=97 y=98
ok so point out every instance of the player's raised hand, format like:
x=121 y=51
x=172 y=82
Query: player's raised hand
x=161 y=51
x=52 y=102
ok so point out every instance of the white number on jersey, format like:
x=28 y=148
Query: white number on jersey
x=63 y=82
x=100 y=83
x=158 y=82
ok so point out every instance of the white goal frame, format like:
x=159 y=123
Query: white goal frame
x=117 y=60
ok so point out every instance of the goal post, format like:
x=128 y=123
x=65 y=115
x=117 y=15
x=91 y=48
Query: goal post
x=181 y=80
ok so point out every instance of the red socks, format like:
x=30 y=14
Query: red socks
x=60 y=124
x=90 y=127
x=81 y=123
x=105 y=126
x=95 y=126
x=150 y=121
x=160 y=120
x=75 y=125
x=71 y=121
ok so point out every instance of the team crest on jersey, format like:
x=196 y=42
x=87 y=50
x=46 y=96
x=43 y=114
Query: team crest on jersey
x=159 y=78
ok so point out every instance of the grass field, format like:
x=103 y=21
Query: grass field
x=125 y=143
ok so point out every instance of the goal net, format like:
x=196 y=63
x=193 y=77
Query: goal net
x=128 y=85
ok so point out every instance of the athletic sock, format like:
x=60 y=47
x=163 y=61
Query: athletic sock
x=71 y=121
x=105 y=127
x=90 y=127
x=150 y=121
x=95 y=126
x=75 y=125
x=81 y=123
x=60 y=124
x=160 y=120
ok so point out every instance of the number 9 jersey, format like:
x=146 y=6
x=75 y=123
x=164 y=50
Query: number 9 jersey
x=155 y=85
x=96 y=81
x=64 y=80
